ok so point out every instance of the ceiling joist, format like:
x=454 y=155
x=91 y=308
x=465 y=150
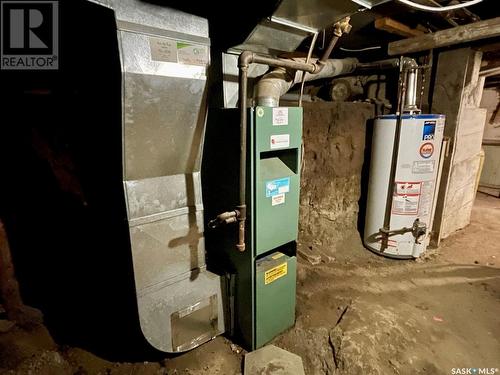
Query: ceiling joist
x=455 y=35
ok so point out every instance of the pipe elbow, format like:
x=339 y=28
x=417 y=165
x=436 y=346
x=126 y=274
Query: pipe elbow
x=409 y=63
x=245 y=59
x=318 y=66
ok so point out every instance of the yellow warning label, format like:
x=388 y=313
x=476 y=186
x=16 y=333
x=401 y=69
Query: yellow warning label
x=275 y=273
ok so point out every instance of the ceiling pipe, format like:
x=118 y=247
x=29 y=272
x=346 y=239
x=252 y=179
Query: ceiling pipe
x=279 y=81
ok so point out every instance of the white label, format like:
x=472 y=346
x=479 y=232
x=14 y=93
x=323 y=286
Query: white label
x=284 y=189
x=440 y=125
x=192 y=54
x=405 y=204
x=406 y=198
x=278 y=199
x=280 y=141
x=163 y=49
x=168 y=50
x=280 y=116
x=426 y=198
x=423 y=166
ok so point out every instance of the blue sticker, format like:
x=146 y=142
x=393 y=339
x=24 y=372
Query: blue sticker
x=429 y=130
x=276 y=187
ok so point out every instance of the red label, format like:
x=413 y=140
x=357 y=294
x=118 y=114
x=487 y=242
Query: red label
x=426 y=150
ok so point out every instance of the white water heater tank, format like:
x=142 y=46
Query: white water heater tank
x=415 y=187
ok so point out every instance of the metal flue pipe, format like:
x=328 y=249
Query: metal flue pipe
x=279 y=81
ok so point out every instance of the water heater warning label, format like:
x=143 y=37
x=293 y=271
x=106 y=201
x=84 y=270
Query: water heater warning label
x=275 y=273
x=406 y=198
x=408 y=188
x=405 y=205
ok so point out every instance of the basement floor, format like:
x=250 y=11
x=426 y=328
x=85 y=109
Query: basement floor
x=359 y=314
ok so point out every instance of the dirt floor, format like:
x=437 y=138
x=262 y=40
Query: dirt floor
x=357 y=314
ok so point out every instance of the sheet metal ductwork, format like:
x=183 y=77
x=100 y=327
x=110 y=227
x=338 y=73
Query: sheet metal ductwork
x=295 y=20
x=165 y=55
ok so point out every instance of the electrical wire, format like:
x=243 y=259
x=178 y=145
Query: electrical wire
x=439 y=9
x=360 y=49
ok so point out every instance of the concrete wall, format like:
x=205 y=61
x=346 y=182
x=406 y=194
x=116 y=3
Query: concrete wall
x=334 y=147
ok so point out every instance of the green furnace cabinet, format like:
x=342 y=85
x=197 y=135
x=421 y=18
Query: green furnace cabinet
x=260 y=298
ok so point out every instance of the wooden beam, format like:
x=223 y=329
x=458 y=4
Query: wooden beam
x=460 y=34
x=395 y=27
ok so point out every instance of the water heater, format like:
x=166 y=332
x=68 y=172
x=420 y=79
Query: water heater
x=414 y=188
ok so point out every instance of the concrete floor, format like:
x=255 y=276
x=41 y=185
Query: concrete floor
x=360 y=314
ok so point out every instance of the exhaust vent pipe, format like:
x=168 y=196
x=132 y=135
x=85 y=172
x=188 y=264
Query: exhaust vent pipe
x=280 y=80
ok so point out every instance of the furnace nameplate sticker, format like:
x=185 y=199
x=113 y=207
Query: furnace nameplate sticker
x=275 y=273
x=280 y=116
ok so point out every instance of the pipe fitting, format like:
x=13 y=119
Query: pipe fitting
x=279 y=81
x=342 y=27
x=245 y=59
x=242 y=216
x=224 y=218
x=409 y=63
